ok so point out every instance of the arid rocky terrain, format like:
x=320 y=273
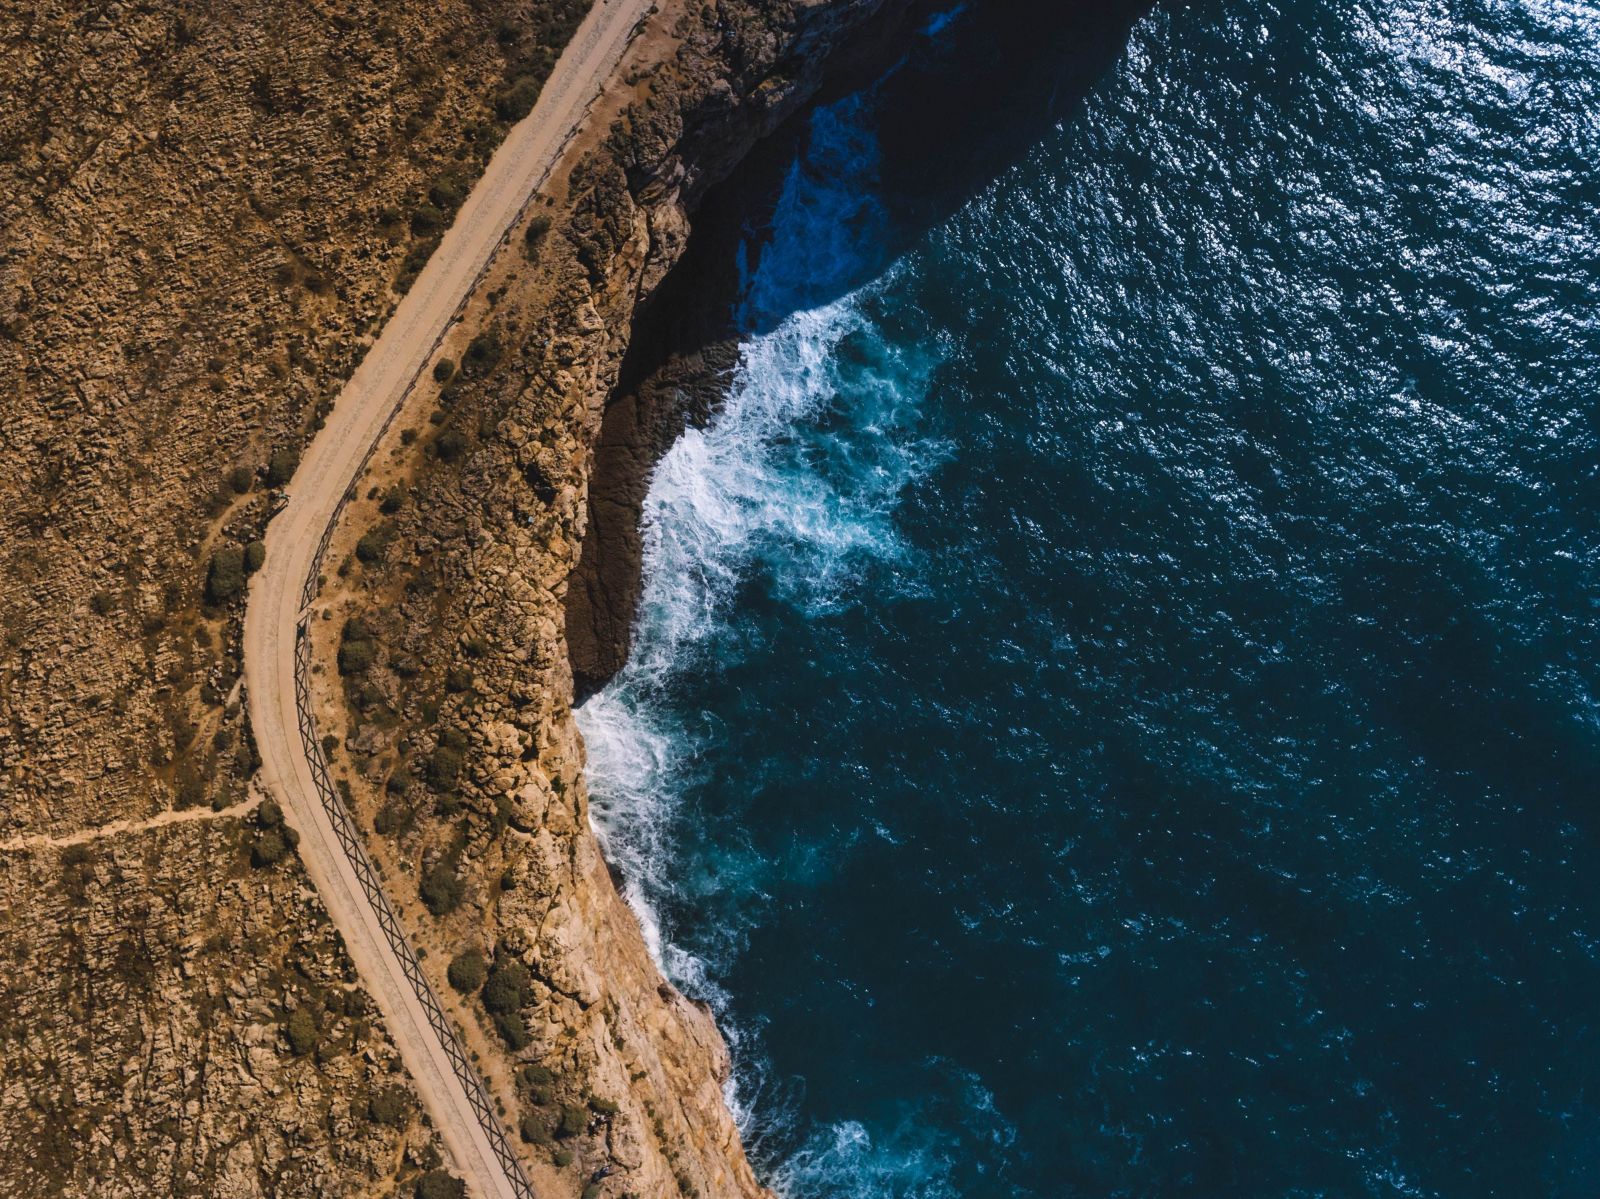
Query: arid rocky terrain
x=205 y=211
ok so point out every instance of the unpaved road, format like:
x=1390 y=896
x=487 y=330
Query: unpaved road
x=329 y=468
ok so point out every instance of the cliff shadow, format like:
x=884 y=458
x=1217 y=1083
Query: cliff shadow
x=954 y=95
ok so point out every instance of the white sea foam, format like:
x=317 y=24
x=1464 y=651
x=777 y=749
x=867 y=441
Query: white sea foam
x=765 y=485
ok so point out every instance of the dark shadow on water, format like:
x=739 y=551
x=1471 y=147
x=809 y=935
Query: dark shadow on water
x=958 y=93
x=977 y=85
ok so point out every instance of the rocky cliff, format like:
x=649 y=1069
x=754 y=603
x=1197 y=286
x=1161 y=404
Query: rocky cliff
x=205 y=211
x=448 y=685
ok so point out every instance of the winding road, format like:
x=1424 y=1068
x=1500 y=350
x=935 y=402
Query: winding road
x=292 y=769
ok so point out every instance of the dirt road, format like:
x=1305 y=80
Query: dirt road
x=330 y=466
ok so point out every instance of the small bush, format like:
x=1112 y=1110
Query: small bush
x=302 y=1032
x=513 y=1030
x=225 y=577
x=592 y=1191
x=446 y=194
x=483 y=354
x=440 y=1184
x=535 y=1131
x=255 y=555
x=573 y=1121
x=458 y=678
x=269 y=814
x=442 y=888
x=281 y=466
x=442 y=370
x=416 y=258
x=451 y=445
x=604 y=1106
x=516 y=101
x=388 y=1106
x=241 y=479
x=562 y=1157
x=507 y=987
x=426 y=219
x=370 y=549
x=392 y=499
x=467 y=971
x=269 y=848
x=444 y=768
x=103 y=603
x=534 y=234
x=356 y=657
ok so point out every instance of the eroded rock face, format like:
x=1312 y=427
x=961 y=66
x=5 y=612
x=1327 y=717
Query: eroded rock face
x=472 y=604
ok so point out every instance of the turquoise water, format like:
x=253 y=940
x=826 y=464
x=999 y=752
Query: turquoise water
x=1113 y=710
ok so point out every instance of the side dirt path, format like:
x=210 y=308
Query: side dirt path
x=285 y=586
x=172 y=816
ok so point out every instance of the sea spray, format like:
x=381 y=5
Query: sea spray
x=768 y=494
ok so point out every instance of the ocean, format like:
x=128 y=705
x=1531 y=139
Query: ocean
x=1113 y=709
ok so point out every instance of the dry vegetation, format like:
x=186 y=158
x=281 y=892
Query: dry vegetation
x=204 y=210
x=446 y=681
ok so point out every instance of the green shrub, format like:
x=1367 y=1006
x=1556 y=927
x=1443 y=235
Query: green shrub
x=416 y=258
x=513 y=1030
x=562 y=1157
x=573 y=1121
x=356 y=657
x=241 y=479
x=371 y=546
x=458 y=678
x=534 y=234
x=451 y=445
x=103 y=602
x=426 y=219
x=225 y=577
x=281 y=466
x=604 y=1106
x=302 y=1032
x=535 y=1130
x=440 y=1184
x=442 y=370
x=444 y=768
x=517 y=100
x=269 y=848
x=507 y=987
x=388 y=1106
x=255 y=555
x=442 y=888
x=467 y=971
x=446 y=194
x=392 y=499
x=592 y=1191
x=269 y=814
x=483 y=353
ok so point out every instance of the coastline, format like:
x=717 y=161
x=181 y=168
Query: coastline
x=942 y=146
x=465 y=605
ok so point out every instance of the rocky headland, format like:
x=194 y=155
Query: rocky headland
x=206 y=214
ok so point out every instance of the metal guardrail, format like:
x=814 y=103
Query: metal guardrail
x=344 y=825
x=344 y=828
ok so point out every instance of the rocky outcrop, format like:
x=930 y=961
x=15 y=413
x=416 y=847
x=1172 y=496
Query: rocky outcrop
x=204 y=211
x=451 y=575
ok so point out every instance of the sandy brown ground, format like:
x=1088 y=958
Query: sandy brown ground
x=328 y=469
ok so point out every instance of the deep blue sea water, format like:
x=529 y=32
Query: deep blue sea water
x=1115 y=708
